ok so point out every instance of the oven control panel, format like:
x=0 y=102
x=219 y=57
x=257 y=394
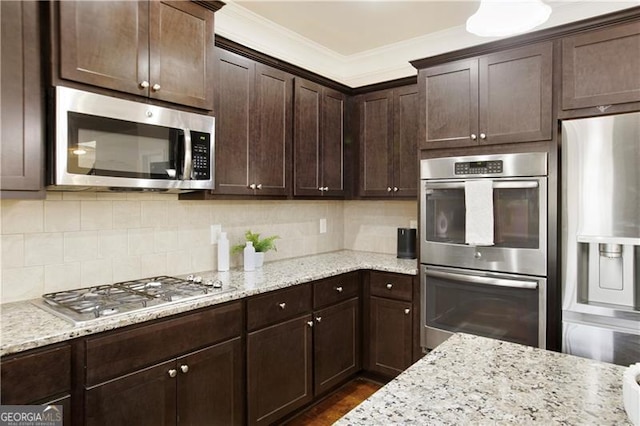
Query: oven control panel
x=478 y=167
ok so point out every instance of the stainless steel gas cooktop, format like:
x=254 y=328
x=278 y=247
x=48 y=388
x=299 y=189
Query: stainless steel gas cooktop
x=86 y=304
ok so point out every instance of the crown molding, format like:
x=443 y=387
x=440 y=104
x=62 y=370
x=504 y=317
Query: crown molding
x=390 y=62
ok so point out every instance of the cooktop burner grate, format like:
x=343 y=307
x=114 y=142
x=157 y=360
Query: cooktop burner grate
x=89 y=303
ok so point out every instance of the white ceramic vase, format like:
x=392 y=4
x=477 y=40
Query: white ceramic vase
x=259 y=259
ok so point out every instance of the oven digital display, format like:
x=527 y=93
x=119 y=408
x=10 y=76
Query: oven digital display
x=478 y=167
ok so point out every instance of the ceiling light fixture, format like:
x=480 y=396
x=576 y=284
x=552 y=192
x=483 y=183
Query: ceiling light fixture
x=498 y=18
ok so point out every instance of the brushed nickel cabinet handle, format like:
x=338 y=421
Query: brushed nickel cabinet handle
x=389 y=286
x=339 y=289
x=155 y=87
x=184 y=368
x=483 y=136
x=310 y=323
x=144 y=84
x=473 y=136
x=406 y=311
x=318 y=319
x=282 y=305
x=173 y=372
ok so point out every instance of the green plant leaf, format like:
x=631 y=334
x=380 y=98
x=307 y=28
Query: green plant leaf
x=261 y=245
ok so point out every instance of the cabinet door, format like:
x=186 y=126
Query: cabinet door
x=272 y=131
x=22 y=106
x=601 y=67
x=147 y=397
x=332 y=132
x=405 y=155
x=451 y=104
x=390 y=350
x=181 y=53
x=36 y=376
x=210 y=391
x=233 y=107
x=105 y=44
x=307 y=117
x=515 y=95
x=279 y=370
x=336 y=344
x=376 y=143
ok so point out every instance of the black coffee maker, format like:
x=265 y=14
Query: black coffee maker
x=407 y=243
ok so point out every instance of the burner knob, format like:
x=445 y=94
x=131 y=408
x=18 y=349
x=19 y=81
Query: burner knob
x=190 y=277
x=197 y=279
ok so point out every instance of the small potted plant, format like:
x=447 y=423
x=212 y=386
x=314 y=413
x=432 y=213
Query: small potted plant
x=261 y=245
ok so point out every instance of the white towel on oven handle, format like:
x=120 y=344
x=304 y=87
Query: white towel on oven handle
x=478 y=196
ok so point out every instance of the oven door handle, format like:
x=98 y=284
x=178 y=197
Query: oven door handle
x=528 y=285
x=512 y=184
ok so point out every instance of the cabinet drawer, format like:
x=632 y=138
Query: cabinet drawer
x=336 y=289
x=393 y=286
x=34 y=377
x=278 y=306
x=121 y=352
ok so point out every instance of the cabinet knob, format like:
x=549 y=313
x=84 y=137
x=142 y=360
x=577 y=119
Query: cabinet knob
x=326 y=188
x=483 y=136
x=339 y=289
x=473 y=136
x=388 y=189
x=320 y=188
x=282 y=305
x=407 y=311
x=396 y=189
x=144 y=84
x=389 y=286
x=310 y=323
x=259 y=186
x=155 y=87
x=184 y=368
x=319 y=319
x=252 y=186
x=173 y=372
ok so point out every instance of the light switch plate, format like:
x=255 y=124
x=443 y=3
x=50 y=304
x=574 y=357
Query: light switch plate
x=413 y=224
x=323 y=226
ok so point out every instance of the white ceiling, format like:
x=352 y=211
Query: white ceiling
x=369 y=41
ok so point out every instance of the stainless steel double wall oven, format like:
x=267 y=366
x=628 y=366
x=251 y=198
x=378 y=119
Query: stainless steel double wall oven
x=496 y=290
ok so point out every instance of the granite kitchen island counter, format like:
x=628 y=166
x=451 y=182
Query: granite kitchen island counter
x=481 y=381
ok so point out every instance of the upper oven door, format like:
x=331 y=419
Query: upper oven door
x=520 y=226
x=103 y=141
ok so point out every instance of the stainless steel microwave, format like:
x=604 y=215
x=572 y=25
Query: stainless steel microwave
x=104 y=143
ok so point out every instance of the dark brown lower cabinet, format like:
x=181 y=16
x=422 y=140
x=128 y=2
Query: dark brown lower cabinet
x=203 y=387
x=279 y=369
x=41 y=376
x=391 y=336
x=336 y=344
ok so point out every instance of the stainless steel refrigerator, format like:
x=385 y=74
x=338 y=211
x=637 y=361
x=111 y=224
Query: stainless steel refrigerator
x=601 y=238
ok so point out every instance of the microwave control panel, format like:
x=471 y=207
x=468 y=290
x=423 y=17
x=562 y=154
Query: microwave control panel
x=478 y=167
x=201 y=147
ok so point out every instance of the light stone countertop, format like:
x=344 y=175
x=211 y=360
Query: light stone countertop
x=470 y=380
x=25 y=326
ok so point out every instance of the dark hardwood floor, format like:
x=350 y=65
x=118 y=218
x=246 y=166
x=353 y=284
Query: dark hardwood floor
x=336 y=405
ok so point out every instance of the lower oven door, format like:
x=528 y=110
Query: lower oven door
x=501 y=306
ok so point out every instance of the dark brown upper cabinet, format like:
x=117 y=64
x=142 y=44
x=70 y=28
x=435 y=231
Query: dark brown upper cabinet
x=158 y=49
x=318 y=140
x=22 y=101
x=388 y=143
x=499 y=98
x=253 y=104
x=601 y=68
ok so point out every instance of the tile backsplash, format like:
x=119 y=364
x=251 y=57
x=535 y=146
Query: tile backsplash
x=72 y=240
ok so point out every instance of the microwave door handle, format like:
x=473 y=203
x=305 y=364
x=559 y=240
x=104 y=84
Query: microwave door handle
x=188 y=156
x=528 y=285
x=512 y=184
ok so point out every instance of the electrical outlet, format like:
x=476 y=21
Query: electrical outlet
x=413 y=224
x=215 y=233
x=323 y=226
